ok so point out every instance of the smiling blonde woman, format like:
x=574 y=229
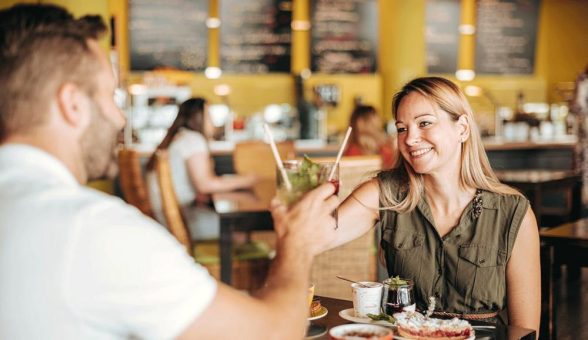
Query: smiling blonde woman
x=447 y=223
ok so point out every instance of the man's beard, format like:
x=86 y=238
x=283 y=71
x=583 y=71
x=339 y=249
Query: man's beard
x=98 y=145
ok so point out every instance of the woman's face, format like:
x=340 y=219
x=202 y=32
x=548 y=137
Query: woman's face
x=428 y=139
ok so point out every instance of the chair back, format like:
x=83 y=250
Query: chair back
x=356 y=259
x=169 y=202
x=132 y=182
x=255 y=157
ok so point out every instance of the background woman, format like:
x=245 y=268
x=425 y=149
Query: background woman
x=368 y=136
x=193 y=169
x=447 y=223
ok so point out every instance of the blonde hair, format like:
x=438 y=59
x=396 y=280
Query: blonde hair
x=475 y=172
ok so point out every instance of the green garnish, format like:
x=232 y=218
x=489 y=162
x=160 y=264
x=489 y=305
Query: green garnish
x=382 y=317
x=397 y=281
x=305 y=179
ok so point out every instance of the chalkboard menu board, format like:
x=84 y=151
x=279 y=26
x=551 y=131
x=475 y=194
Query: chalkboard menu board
x=506 y=36
x=255 y=35
x=442 y=35
x=344 y=36
x=168 y=34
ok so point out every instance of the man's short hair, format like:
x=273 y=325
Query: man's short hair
x=41 y=48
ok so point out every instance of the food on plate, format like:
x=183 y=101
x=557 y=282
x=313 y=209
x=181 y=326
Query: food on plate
x=315 y=307
x=360 y=332
x=381 y=317
x=414 y=325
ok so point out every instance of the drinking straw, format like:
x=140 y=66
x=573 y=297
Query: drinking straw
x=277 y=157
x=341 y=149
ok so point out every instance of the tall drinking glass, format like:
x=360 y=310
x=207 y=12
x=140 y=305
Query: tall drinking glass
x=304 y=176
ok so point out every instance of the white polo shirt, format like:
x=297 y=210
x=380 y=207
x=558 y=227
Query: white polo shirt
x=79 y=264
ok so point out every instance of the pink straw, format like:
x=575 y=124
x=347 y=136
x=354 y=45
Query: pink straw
x=277 y=157
x=341 y=149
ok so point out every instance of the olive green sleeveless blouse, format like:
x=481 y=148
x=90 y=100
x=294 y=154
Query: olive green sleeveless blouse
x=466 y=269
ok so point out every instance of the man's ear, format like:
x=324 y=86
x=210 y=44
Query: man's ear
x=71 y=101
x=463 y=125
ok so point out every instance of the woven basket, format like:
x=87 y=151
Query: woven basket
x=356 y=259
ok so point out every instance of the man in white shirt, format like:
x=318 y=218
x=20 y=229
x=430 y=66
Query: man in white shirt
x=79 y=264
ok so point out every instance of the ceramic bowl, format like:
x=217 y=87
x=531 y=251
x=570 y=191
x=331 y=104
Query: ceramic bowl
x=360 y=331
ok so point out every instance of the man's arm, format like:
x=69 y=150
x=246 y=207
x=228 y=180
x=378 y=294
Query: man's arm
x=280 y=310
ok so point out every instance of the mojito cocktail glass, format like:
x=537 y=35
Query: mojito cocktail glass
x=304 y=175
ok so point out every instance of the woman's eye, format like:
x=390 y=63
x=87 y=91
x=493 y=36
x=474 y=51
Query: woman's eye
x=400 y=129
x=424 y=124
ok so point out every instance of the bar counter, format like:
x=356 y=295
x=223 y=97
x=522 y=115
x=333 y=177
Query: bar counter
x=219 y=148
x=551 y=154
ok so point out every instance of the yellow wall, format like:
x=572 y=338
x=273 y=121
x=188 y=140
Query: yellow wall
x=563 y=42
x=402 y=45
x=8 y=3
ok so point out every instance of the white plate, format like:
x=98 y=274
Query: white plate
x=324 y=311
x=339 y=332
x=349 y=314
x=398 y=337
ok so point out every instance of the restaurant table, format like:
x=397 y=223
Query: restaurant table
x=569 y=242
x=534 y=183
x=321 y=326
x=566 y=243
x=246 y=210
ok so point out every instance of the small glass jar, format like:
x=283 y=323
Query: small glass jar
x=398 y=297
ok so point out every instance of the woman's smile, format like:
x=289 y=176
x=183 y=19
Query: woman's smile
x=420 y=152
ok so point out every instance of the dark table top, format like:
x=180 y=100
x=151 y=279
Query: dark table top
x=245 y=201
x=535 y=176
x=321 y=326
x=573 y=231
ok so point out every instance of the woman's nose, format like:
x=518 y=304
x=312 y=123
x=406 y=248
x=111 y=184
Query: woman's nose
x=413 y=137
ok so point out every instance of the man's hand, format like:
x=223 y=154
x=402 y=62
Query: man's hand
x=309 y=225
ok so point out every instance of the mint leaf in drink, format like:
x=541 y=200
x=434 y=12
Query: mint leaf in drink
x=397 y=281
x=305 y=178
x=307 y=163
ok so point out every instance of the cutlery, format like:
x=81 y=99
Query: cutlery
x=359 y=283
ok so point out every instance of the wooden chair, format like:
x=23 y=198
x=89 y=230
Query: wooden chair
x=249 y=268
x=255 y=157
x=356 y=259
x=132 y=181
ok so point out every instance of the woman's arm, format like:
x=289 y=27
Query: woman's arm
x=357 y=214
x=523 y=277
x=206 y=181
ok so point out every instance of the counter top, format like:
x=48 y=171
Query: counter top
x=221 y=148
x=494 y=143
x=218 y=148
